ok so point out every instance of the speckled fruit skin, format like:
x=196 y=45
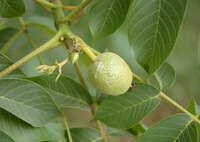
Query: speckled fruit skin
x=110 y=74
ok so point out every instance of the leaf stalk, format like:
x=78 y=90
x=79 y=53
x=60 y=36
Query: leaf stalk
x=171 y=101
x=72 y=16
x=54 y=42
x=46 y=4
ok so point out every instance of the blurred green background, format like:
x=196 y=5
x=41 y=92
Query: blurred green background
x=184 y=58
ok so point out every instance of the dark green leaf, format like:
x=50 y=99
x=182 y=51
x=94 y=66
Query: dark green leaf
x=20 y=131
x=6 y=34
x=5 y=62
x=126 y=110
x=11 y=8
x=66 y=92
x=165 y=76
x=5 y=138
x=28 y=101
x=193 y=107
x=153 y=29
x=176 y=128
x=43 y=24
x=106 y=16
x=85 y=135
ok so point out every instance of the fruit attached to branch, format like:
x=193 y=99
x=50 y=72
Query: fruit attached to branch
x=110 y=74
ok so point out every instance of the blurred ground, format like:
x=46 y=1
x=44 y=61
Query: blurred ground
x=184 y=59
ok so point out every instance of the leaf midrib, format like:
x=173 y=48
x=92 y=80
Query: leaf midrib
x=41 y=110
x=176 y=138
x=10 y=6
x=109 y=11
x=156 y=32
x=150 y=98
x=67 y=96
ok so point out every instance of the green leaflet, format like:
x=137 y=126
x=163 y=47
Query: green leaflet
x=5 y=62
x=28 y=101
x=153 y=28
x=176 y=128
x=126 y=110
x=6 y=34
x=85 y=135
x=5 y=138
x=66 y=92
x=11 y=8
x=106 y=16
x=165 y=76
x=20 y=131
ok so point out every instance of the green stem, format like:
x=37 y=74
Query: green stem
x=68 y=7
x=46 y=8
x=102 y=130
x=21 y=21
x=94 y=51
x=135 y=76
x=90 y=54
x=193 y=117
x=46 y=4
x=72 y=16
x=99 y=124
x=77 y=68
x=66 y=126
x=11 y=41
x=67 y=129
x=171 y=101
x=48 y=45
x=86 y=49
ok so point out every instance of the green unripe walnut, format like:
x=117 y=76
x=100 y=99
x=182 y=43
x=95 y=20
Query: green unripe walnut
x=110 y=74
